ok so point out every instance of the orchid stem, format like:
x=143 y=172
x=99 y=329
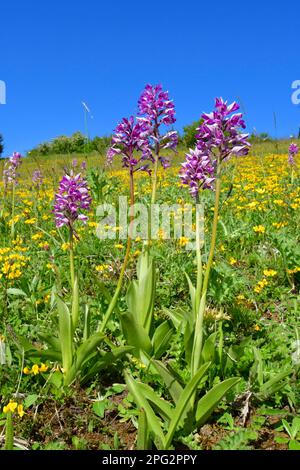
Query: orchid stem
x=198 y=336
x=156 y=157
x=199 y=260
x=115 y=297
x=154 y=181
x=72 y=268
x=13 y=213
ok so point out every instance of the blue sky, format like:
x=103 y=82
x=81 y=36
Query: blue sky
x=55 y=54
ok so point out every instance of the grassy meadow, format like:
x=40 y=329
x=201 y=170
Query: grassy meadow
x=121 y=388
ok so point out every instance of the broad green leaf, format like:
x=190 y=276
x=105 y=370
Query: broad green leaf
x=295 y=426
x=160 y=404
x=294 y=445
x=188 y=341
x=211 y=399
x=141 y=292
x=192 y=290
x=274 y=384
x=107 y=359
x=23 y=344
x=176 y=316
x=173 y=386
x=56 y=379
x=99 y=408
x=183 y=403
x=209 y=348
x=87 y=323
x=52 y=341
x=65 y=334
x=30 y=400
x=161 y=338
x=116 y=389
x=153 y=422
x=143 y=438
x=287 y=428
x=82 y=354
x=135 y=334
x=45 y=354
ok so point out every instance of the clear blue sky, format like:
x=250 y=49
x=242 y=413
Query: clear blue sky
x=56 y=53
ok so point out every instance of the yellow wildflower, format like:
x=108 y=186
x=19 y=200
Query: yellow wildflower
x=65 y=246
x=260 y=285
x=101 y=267
x=30 y=221
x=10 y=407
x=259 y=229
x=21 y=411
x=279 y=224
x=37 y=236
x=183 y=241
x=35 y=369
x=270 y=272
x=43 y=368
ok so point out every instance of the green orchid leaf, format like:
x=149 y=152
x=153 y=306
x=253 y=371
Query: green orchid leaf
x=211 y=399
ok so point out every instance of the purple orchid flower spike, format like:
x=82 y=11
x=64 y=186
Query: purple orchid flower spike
x=197 y=172
x=219 y=137
x=220 y=132
x=130 y=141
x=158 y=110
x=37 y=178
x=71 y=200
x=10 y=174
x=154 y=103
x=293 y=151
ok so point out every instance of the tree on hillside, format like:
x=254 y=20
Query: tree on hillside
x=75 y=144
x=1 y=144
x=189 y=134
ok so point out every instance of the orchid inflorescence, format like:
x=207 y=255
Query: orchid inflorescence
x=220 y=132
x=72 y=198
x=37 y=178
x=142 y=134
x=293 y=151
x=157 y=109
x=198 y=171
x=10 y=174
x=218 y=138
x=129 y=138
